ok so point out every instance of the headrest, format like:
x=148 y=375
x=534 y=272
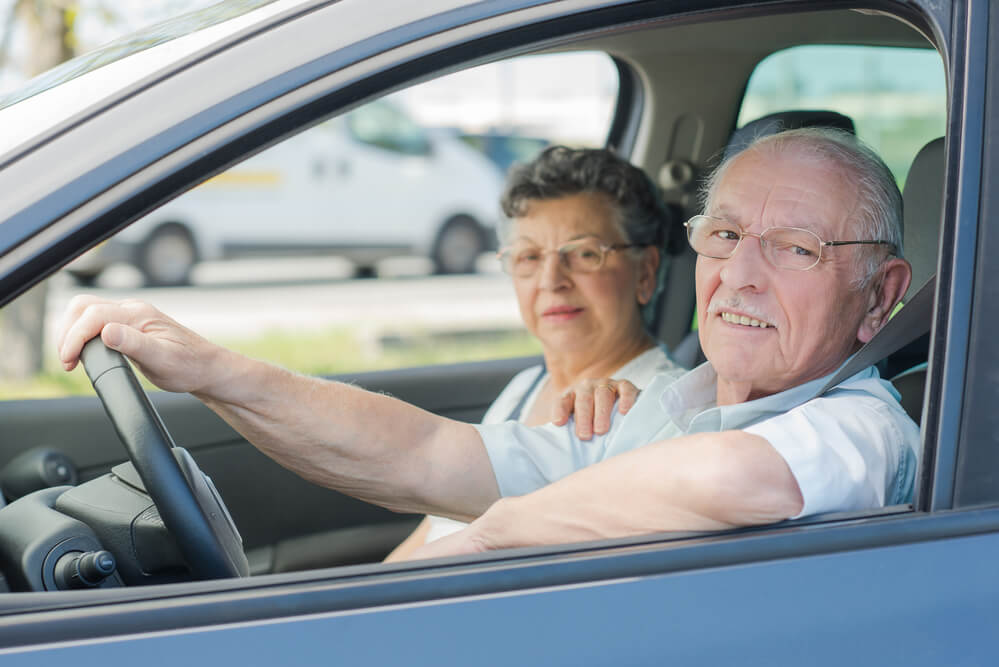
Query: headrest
x=922 y=206
x=785 y=120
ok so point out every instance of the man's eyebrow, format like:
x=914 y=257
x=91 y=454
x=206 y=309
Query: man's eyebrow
x=810 y=223
x=722 y=211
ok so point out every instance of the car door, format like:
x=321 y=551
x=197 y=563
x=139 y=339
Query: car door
x=305 y=314
x=910 y=584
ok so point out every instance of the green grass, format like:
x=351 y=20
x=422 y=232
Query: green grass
x=331 y=352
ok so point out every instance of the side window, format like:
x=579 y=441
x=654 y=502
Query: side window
x=367 y=242
x=384 y=125
x=896 y=97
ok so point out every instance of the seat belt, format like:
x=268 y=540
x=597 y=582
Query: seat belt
x=908 y=324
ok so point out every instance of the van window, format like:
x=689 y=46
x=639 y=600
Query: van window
x=384 y=125
x=896 y=97
x=367 y=242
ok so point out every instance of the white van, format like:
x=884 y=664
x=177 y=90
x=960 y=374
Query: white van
x=367 y=185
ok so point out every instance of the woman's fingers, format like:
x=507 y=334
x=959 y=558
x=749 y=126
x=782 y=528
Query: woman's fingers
x=592 y=402
x=604 y=396
x=584 y=408
x=627 y=394
x=563 y=408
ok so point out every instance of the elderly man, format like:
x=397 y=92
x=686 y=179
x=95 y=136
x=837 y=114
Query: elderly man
x=797 y=268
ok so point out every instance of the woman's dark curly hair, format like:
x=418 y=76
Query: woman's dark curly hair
x=560 y=172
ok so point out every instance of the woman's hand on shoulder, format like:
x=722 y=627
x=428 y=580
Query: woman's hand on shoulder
x=592 y=402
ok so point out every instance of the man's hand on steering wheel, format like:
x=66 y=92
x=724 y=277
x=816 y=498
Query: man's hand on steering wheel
x=592 y=403
x=170 y=355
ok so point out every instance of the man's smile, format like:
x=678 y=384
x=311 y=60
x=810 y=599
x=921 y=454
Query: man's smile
x=745 y=320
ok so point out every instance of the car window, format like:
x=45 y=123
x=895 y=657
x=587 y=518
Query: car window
x=366 y=242
x=896 y=97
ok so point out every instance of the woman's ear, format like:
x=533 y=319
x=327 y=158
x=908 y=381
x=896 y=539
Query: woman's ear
x=648 y=268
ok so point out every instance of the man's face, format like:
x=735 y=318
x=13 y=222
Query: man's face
x=812 y=317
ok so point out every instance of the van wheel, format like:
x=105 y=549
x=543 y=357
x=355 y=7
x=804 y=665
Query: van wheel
x=85 y=278
x=458 y=247
x=167 y=257
x=365 y=271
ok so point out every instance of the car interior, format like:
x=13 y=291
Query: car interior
x=682 y=92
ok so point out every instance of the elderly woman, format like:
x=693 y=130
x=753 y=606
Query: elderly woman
x=582 y=242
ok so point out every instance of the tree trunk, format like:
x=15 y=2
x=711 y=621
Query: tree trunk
x=49 y=25
x=22 y=334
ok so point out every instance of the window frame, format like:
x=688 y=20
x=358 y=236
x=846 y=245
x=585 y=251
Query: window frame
x=256 y=128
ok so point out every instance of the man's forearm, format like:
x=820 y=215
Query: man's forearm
x=367 y=445
x=701 y=482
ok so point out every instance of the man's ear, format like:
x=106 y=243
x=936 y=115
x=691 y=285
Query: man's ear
x=648 y=267
x=885 y=293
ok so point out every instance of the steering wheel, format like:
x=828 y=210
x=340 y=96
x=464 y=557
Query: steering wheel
x=191 y=508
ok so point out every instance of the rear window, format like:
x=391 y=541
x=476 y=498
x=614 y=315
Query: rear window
x=896 y=97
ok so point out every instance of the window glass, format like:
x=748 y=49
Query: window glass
x=142 y=40
x=896 y=97
x=363 y=243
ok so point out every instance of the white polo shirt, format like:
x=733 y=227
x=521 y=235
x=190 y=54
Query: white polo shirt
x=852 y=448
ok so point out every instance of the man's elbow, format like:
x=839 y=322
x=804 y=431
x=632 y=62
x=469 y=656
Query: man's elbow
x=762 y=487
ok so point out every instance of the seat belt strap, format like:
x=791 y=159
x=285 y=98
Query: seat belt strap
x=908 y=324
x=518 y=409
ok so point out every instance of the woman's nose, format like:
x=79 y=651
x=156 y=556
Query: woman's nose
x=553 y=273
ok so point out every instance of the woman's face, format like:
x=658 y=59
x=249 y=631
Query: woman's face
x=590 y=314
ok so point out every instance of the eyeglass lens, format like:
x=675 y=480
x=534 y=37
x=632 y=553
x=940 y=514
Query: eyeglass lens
x=783 y=247
x=579 y=257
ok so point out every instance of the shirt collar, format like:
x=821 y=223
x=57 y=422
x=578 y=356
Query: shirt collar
x=691 y=400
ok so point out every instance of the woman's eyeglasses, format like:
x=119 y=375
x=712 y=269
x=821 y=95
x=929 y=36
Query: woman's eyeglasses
x=582 y=256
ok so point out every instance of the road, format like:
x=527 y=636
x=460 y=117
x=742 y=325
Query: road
x=247 y=298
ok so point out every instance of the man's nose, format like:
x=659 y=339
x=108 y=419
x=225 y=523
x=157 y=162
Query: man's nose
x=747 y=267
x=552 y=274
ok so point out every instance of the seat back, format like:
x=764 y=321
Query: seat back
x=922 y=201
x=785 y=120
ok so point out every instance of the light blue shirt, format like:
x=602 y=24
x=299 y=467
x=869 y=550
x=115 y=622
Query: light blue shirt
x=852 y=448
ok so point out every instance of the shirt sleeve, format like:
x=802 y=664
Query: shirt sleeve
x=845 y=451
x=525 y=458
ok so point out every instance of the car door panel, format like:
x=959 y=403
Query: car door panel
x=721 y=602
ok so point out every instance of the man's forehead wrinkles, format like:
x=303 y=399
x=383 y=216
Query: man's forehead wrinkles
x=736 y=211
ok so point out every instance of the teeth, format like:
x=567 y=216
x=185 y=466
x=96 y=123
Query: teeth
x=744 y=320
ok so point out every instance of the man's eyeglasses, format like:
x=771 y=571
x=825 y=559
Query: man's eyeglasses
x=582 y=256
x=784 y=247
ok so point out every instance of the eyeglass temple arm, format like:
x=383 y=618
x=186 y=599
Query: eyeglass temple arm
x=858 y=243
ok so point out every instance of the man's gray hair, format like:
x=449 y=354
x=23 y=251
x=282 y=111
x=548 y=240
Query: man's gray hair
x=879 y=210
x=560 y=172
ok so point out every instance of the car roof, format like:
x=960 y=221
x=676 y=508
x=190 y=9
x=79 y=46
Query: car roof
x=98 y=76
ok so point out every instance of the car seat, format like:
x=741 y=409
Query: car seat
x=785 y=120
x=922 y=199
x=688 y=352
